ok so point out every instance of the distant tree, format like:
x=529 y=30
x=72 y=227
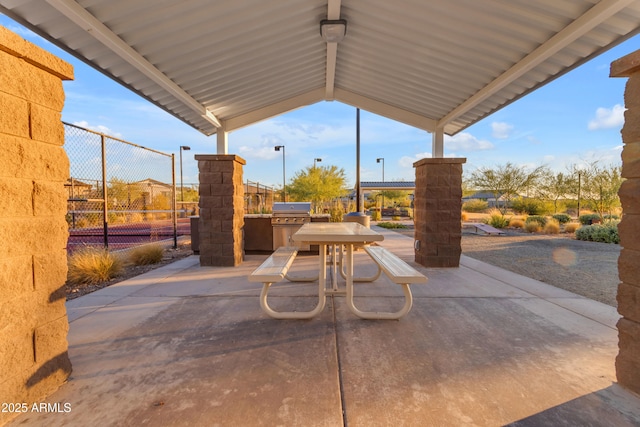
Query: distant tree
x=122 y=194
x=317 y=184
x=506 y=181
x=599 y=187
x=555 y=187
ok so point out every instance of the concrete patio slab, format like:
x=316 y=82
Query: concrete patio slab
x=189 y=345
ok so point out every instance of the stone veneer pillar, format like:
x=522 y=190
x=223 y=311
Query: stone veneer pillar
x=221 y=210
x=33 y=232
x=628 y=360
x=437 y=206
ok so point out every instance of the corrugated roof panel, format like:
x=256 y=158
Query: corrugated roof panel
x=235 y=57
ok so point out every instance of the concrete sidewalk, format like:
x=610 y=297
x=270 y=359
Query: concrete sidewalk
x=189 y=345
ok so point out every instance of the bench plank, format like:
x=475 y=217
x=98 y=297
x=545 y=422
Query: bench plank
x=486 y=228
x=274 y=268
x=398 y=271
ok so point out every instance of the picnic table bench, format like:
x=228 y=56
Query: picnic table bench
x=486 y=228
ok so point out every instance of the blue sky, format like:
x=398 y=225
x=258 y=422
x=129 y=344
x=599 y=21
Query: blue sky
x=573 y=120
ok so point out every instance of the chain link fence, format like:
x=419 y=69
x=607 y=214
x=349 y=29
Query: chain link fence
x=258 y=198
x=120 y=194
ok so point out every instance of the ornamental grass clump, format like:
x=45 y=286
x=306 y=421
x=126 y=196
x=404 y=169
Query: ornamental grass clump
x=497 y=220
x=146 y=255
x=552 y=227
x=516 y=223
x=532 y=227
x=90 y=266
x=571 y=227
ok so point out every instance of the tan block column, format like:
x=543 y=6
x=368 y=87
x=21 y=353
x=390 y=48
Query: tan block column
x=628 y=360
x=33 y=231
x=437 y=205
x=221 y=220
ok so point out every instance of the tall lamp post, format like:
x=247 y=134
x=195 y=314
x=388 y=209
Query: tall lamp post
x=317 y=159
x=182 y=148
x=284 y=180
x=381 y=160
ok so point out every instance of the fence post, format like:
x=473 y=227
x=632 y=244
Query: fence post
x=173 y=199
x=105 y=209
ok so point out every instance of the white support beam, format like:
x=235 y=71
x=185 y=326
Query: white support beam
x=273 y=110
x=333 y=13
x=77 y=14
x=437 y=143
x=222 y=140
x=385 y=110
x=602 y=11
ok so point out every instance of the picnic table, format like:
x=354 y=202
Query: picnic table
x=336 y=237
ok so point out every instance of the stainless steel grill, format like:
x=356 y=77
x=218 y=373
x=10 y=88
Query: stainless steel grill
x=286 y=219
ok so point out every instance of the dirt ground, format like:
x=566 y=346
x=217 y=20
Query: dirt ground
x=589 y=269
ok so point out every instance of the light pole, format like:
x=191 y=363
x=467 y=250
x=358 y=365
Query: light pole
x=284 y=180
x=381 y=160
x=185 y=148
x=317 y=159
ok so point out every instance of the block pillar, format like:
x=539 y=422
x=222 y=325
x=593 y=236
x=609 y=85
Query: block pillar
x=221 y=204
x=437 y=205
x=628 y=360
x=33 y=232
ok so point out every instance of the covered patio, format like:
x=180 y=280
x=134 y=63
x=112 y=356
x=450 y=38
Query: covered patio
x=189 y=345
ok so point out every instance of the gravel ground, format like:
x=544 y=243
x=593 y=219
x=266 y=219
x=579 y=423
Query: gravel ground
x=589 y=269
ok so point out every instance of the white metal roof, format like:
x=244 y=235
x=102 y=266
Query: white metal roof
x=431 y=64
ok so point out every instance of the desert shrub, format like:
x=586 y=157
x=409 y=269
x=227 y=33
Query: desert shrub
x=336 y=212
x=552 y=227
x=611 y=216
x=571 y=227
x=391 y=225
x=395 y=218
x=89 y=266
x=94 y=219
x=537 y=218
x=606 y=233
x=464 y=216
x=81 y=222
x=497 y=220
x=516 y=223
x=147 y=254
x=475 y=206
x=530 y=206
x=562 y=218
x=588 y=219
x=532 y=227
x=376 y=215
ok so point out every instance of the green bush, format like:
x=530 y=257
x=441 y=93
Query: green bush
x=606 y=233
x=588 y=219
x=475 y=206
x=530 y=206
x=391 y=225
x=562 y=218
x=612 y=216
x=537 y=218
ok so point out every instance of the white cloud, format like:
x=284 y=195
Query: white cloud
x=607 y=118
x=98 y=128
x=501 y=130
x=408 y=161
x=466 y=142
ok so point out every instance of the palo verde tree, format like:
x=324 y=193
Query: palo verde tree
x=506 y=181
x=317 y=184
x=599 y=187
x=556 y=186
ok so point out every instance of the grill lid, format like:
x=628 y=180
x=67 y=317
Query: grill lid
x=291 y=208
